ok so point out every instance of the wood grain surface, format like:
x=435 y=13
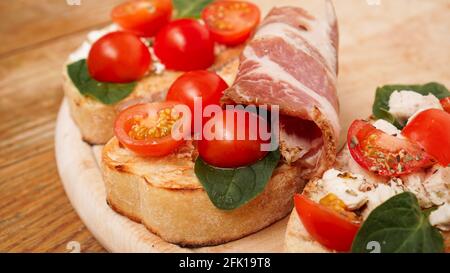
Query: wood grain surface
x=398 y=41
x=37 y=36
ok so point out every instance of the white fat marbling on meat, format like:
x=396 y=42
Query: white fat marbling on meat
x=268 y=67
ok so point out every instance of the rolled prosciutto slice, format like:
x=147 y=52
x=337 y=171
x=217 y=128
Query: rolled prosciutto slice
x=292 y=62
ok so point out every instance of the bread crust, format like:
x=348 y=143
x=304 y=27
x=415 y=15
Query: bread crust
x=96 y=120
x=165 y=195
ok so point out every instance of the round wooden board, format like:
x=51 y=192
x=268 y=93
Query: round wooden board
x=392 y=42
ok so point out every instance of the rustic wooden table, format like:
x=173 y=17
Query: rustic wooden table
x=37 y=36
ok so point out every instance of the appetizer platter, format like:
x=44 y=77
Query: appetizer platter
x=144 y=94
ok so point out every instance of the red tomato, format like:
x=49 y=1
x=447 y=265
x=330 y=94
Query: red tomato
x=135 y=128
x=226 y=150
x=143 y=17
x=431 y=130
x=326 y=226
x=195 y=84
x=185 y=45
x=231 y=22
x=384 y=154
x=118 y=57
x=445 y=102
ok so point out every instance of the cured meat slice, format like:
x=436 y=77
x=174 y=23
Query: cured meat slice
x=292 y=62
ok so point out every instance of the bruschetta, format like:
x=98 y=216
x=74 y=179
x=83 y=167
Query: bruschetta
x=389 y=190
x=211 y=190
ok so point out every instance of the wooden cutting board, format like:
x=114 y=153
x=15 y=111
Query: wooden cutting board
x=381 y=42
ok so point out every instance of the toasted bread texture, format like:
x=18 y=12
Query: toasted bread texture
x=165 y=195
x=96 y=120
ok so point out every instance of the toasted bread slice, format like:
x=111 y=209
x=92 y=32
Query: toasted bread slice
x=165 y=195
x=95 y=119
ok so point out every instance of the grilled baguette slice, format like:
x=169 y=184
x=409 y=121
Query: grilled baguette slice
x=96 y=120
x=165 y=195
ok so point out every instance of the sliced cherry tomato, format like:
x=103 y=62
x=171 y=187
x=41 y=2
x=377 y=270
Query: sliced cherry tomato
x=118 y=57
x=231 y=22
x=185 y=45
x=445 y=102
x=431 y=130
x=384 y=154
x=204 y=85
x=143 y=17
x=326 y=226
x=226 y=150
x=136 y=128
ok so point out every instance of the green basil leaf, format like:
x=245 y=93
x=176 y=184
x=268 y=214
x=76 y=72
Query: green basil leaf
x=107 y=93
x=189 y=8
x=380 y=108
x=399 y=225
x=231 y=188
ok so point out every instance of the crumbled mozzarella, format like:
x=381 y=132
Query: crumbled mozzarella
x=414 y=184
x=404 y=104
x=437 y=184
x=381 y=193
x=346 y=187
x=441 y=217
x=386 y=127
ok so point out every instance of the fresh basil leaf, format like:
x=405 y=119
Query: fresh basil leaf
x=107 y=93
x=189 y=8
x=231 y=188
x=380 y=108
x=399 y=225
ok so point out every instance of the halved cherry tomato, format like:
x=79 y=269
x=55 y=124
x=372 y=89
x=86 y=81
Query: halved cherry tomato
x=226 y=149
x=445 y=102
x=200 y=84
x=143 y=17
x=118 y=57
x=136 y=128
x=431 y=130
x=382 y=153
x=231 y=22
x=326 y=226
x=185 y=45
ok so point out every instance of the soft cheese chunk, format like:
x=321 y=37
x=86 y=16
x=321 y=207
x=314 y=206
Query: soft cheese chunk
x=381 y=193
x=441 y=217
x=437 y=184
x=346 y=187
x=404 y=104
x=386 y=127
x=414 y=184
